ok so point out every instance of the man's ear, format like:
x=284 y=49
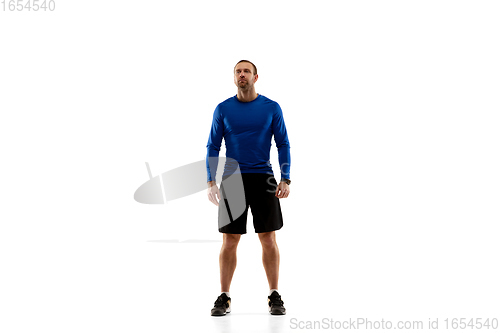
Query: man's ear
x=256 y=78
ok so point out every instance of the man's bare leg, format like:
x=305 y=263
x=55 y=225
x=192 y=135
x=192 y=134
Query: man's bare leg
x=270 y=257
x=227 y=259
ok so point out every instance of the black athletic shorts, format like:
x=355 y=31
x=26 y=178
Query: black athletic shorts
x=254 y=190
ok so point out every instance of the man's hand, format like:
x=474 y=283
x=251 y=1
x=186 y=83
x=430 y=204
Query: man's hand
x=213 y=192
x=283 y=190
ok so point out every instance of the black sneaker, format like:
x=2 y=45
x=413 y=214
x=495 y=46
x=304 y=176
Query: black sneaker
x=276 y=304
x=222 y=305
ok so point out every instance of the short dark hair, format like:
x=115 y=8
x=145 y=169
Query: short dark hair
x=254 y=67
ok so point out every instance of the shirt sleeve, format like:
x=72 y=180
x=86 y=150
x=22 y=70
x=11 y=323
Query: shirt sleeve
x=214 y=144
x=281 y=140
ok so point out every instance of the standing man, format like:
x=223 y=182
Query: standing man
x=247 y=122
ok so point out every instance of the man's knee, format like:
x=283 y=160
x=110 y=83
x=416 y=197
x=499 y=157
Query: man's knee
x=231 y=240
x=268 y=239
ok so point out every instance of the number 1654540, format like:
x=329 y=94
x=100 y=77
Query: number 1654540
x=28 y=5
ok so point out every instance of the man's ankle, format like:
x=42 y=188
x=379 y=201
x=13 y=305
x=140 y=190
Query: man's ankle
x=271 y=291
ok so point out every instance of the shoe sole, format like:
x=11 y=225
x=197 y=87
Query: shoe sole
x=277 y=314
x=223 y=314
x=218 y=315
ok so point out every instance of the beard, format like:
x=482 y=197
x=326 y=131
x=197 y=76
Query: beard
x=243 y=85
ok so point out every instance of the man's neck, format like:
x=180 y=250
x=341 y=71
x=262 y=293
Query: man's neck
x=246 y=96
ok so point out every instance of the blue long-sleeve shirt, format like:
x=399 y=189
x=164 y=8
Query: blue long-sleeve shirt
x=247 y=128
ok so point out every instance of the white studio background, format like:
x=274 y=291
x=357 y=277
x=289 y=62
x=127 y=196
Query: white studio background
x=392 y=114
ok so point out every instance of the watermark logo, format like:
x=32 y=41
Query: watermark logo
x=192 y=178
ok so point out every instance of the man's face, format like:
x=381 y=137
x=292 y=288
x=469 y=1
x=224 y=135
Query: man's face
x=243 y=76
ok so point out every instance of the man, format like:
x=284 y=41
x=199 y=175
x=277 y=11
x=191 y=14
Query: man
x=247 y=122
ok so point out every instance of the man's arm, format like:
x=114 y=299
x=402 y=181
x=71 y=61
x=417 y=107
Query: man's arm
x=282 y=143
x=214 y=144
x=213 y=149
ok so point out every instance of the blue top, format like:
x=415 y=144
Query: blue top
x=247 y=128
